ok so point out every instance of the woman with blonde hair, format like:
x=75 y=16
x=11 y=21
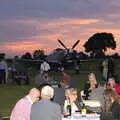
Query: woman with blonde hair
x=71 y=97
x=112 y=102
x=92 y=80
x=90 y=85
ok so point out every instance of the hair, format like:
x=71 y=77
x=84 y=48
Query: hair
x=64 y=83
x=92 y=80
x=71 y=91
x=112 y=81
x=42 y=85
x=111 y=78
x=110 y=97
x=47 y=91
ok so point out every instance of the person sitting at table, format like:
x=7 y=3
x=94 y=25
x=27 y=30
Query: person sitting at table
x=90 y=85
x=113 y=85
x=46 y=109
x=59 y=94
x=112 y=103
x=71 y=97
x=97 y=95
x=21 y=110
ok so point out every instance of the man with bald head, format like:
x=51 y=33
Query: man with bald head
x=45 y=109
x=22 y=109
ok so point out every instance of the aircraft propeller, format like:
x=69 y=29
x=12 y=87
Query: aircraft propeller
x=62 y=44
x=75 y=44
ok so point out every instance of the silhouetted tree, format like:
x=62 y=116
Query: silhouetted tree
x=98 y=44
x=27 y=55
x=38 y=54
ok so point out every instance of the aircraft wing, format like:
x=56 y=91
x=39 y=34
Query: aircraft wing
x=55 y=57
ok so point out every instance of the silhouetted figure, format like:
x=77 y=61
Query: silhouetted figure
x=68 y=79
x=3 y=71
x=77 y=68
x=105 y=70
x=19 y=74
x=111 y=67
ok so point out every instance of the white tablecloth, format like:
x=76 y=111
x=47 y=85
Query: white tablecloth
x=83 y=117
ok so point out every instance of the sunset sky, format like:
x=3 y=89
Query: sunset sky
x=28 y=25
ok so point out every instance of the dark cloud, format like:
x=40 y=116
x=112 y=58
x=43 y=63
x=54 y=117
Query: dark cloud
x=56 y=8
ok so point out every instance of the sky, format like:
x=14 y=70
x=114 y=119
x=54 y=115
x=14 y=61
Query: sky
x=28 y=25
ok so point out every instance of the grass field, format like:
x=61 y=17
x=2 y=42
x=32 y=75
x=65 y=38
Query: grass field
x=9 y=94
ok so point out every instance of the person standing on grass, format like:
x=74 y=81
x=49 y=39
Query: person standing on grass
x=3 y=71
x=44 y=68
x=111 y=68
x=112 y=103
x=68 y=79
x=105 y=70
x=113 y=85
x=22 y=109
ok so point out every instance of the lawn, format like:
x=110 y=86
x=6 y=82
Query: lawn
x=9 y=94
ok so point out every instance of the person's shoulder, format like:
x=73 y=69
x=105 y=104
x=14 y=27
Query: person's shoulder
x=55 y=104
x=59 y=89
x=22 y=100
x=37 y=104
x=21 y=103
x=98 y=90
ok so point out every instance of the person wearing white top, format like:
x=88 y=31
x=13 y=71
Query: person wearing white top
x=44 y=68
x=71 y=97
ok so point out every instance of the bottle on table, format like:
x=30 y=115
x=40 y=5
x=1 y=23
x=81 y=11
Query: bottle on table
x=84 y=109
x=67 y=109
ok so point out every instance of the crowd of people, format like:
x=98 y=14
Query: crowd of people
x=49 y=103
x=13 y=73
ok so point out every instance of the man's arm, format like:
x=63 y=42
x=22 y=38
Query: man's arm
x=20 y=111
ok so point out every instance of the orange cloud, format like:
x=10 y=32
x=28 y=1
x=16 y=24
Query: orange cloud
x=46 y=23
x=22 y=47
x=70 y=21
